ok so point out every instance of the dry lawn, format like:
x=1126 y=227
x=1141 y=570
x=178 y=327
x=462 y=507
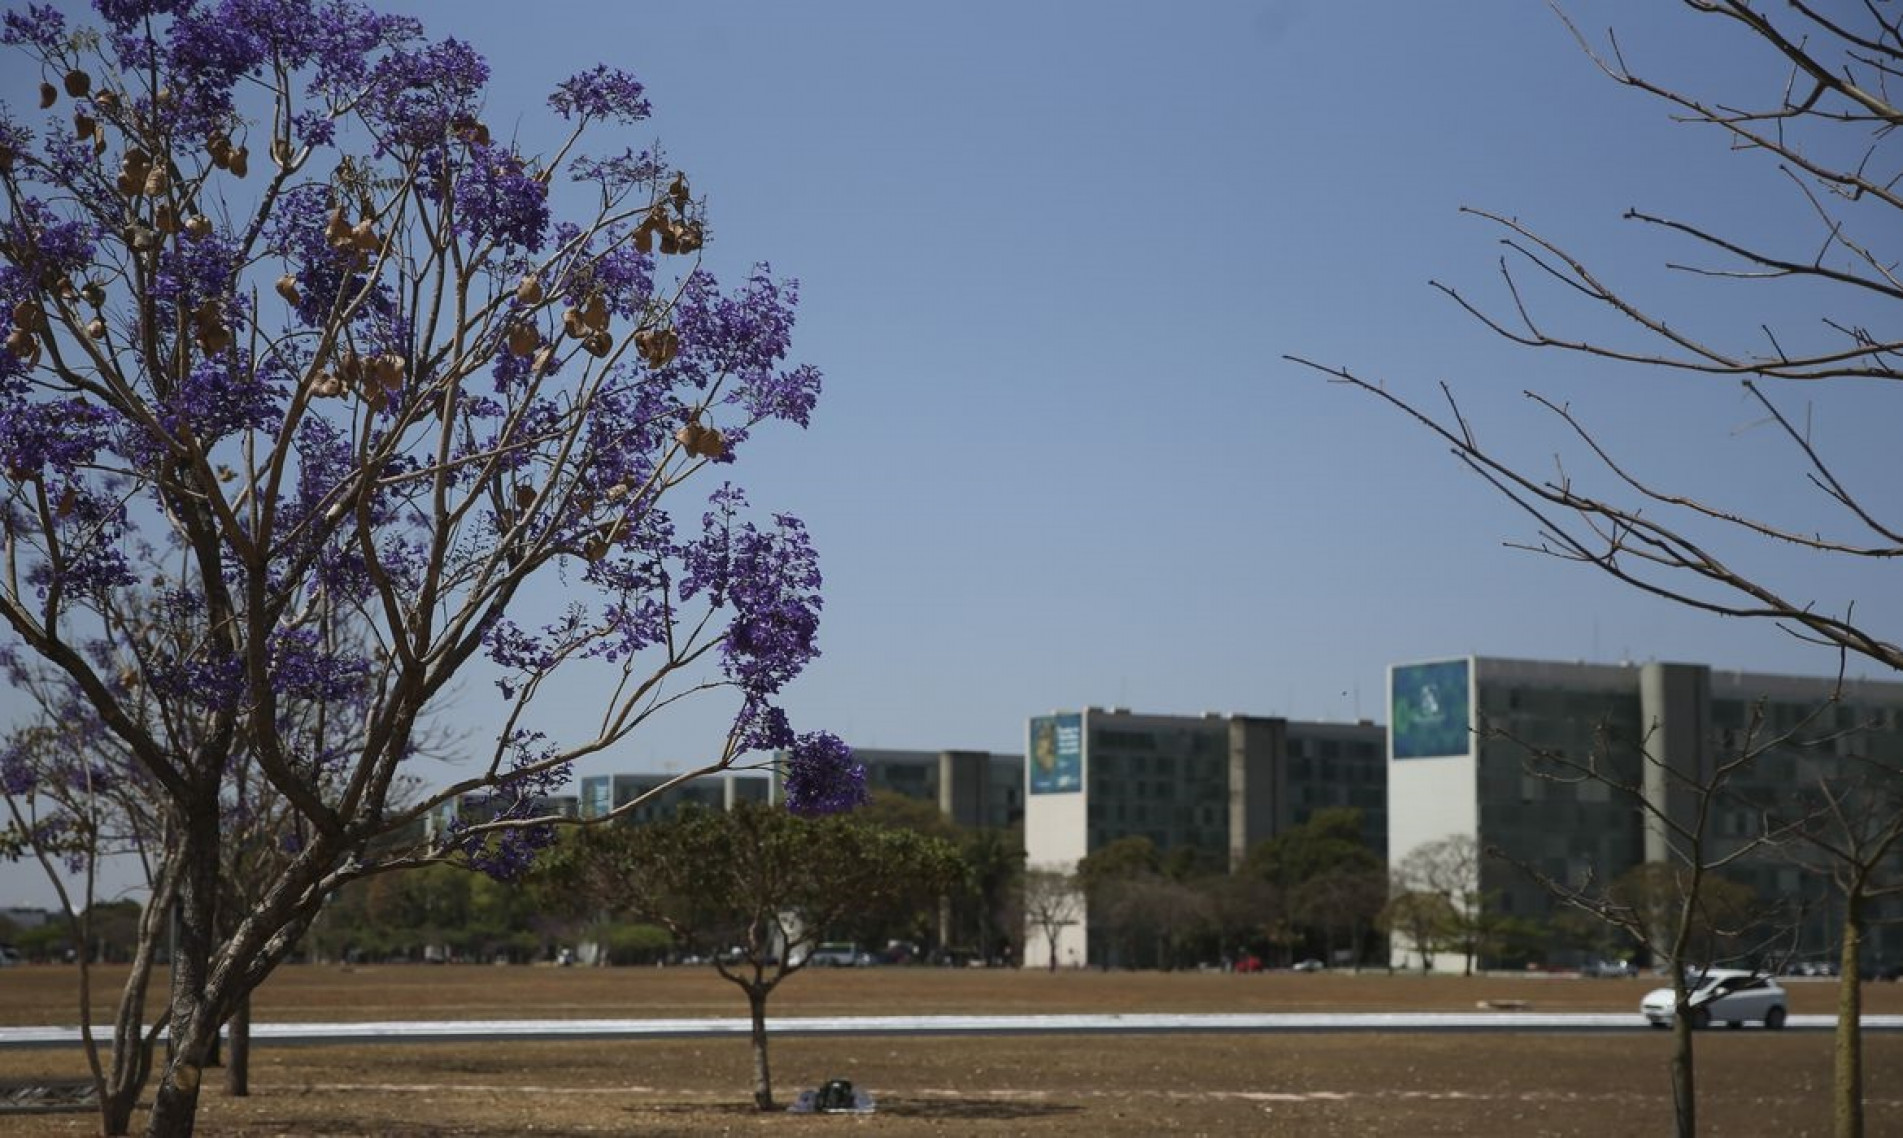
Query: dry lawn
x=1752 y=1081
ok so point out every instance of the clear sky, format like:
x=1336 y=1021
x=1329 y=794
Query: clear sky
x=1051 y=257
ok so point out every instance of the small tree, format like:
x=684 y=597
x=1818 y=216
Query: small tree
x=1422 y=919
x=1052 y=901
x=1450 y=868
x=756 y=888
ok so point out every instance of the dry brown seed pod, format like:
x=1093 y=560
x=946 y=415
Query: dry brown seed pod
x=107 y=101
x=99 y=144
x=363 y=237
x=524 y=497
x=689 y=436
x=6 y=157
x=326 y=386
x=165 y=218
x=156 y=181
x=530 y=290
x=21 y=343
x=677 y=189
x=141 y=239
x=68 y=502
x=226 y=474
x=670 y=244
x=238 y=161
x=598 y=344
x=214 y=338
x=544 y=356
x=523 y=339
x=27 y=314
x=388 y=370
x=96 y=328
x=644 y=238
x=594 y=313
x=83 y=124
x=129 y=185
x=573 y=325
x=78 y=83
x=93 y=293
x=688 y=236
x=617 y=492
x=49 y=95
x=287 y=288
x=281 y=153
x=595 y=550
x=197 y=226
x=166 y=98
x=336 y=229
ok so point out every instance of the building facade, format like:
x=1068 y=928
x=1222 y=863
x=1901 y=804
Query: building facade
x=603 y=794
x=1498 y=751
x=975 y=789
x=1214 y=783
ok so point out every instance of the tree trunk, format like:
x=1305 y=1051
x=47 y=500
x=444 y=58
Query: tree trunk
x=1684 y=1077
x=762 y=1075
x=238 y=1061
x=131 y=1062
x=191 y=1023
x=1848 y=1061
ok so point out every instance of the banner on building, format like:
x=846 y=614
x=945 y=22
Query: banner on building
x=1430 y=717
x=1057 y=754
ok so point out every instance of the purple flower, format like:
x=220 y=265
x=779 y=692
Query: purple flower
x=494 y=195
x=822 y=777
x=40 y=26
x=417 y=96
x=125 y=15
x=601 y=92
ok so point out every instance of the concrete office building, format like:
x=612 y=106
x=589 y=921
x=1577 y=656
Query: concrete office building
x=1214 y=783
x=972 y=788
x=1463 y=731
x=604 y=793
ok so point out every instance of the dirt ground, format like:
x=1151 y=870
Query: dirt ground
x=1751 y=1081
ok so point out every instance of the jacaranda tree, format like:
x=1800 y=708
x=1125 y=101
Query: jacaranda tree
x=314 y=403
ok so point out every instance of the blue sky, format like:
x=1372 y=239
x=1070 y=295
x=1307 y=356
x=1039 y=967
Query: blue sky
x=1051 y=258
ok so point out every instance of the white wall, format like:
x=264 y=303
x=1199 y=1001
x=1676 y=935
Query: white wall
x=1056 y=836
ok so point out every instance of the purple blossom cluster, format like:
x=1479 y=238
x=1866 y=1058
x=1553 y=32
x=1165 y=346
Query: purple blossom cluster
x=822 y=777
x=418 y=96
x=601 y=92
x=493 y=195
x=304 y=667
x=769 y=579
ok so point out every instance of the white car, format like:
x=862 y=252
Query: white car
x=1723 y=995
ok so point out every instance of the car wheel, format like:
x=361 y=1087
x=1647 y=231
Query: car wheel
x=1658 y=1024
x=1734 y=1024
x=1700 y=1019
x=1774 y=1019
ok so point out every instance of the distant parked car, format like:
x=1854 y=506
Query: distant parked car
x=1609 y=969
x=839 y=954
x=1310 y=965
x=1723 y=995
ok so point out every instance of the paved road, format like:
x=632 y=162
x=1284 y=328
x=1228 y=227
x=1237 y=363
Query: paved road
x=414 y=1031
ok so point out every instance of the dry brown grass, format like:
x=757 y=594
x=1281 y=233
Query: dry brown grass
x=1753 y=1082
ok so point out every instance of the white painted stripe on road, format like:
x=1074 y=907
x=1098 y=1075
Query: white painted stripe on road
x=403 y=1031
